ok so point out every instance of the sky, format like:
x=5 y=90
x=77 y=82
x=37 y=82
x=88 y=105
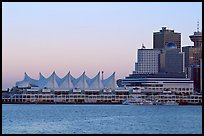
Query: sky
x=90 y=36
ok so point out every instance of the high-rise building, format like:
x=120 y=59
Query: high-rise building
x=193 y=54
x=148 y=61
x=193 y=57
x=194 y=73
x=197 y=37
x=171 y=59
x=201 y=76
x=164 y=36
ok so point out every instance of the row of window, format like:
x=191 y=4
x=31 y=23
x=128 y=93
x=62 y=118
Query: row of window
x=169 y=89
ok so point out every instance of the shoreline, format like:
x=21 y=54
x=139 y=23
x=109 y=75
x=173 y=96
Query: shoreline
x=180 y=104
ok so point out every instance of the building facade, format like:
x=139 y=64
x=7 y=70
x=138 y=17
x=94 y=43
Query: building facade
x=201 y=76
x=164 y=36
x=171 y=59
x=148 y=61
x=194 y=73
x=177 y=85
x=192 y=55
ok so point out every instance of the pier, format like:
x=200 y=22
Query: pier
x=97 y=99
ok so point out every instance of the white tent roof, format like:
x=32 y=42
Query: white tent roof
x=58 y=79
x=52 y=81
x=67 y=83
x=81 y=82
x=95 y=83
x=26 y=80
x=42 y=81
x=41 y=77
x=110 y=81
x=24 y=84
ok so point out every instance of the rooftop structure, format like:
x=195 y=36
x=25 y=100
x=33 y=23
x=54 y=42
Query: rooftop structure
x=197 y=37
x=164 y=36
x=68 y=82
x=171 y=59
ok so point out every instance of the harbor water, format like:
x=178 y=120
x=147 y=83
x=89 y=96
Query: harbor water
x=100 y=119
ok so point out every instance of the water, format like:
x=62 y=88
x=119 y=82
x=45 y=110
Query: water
x=100 y=119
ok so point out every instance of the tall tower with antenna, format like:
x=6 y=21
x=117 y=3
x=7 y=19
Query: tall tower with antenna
x=197 y=37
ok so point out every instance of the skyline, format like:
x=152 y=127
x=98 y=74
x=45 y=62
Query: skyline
x=88 y=37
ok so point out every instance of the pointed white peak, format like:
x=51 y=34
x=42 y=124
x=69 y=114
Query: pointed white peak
x=51 y=81
x=29 y=79
x=72 y=78
x=110 y=82
x=51 y=75
x=88 y=80
x=24 y=81
x=95 y=83
x=42 y=80
x=26 y=77
x=58 y=79
x=67 y=83
x=81 y=82
x=41 y=77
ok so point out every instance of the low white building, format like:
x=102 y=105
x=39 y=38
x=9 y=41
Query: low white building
x=180 y=85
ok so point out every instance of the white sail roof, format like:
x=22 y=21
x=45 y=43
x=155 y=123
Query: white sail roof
x=52 y=82
x=58 y=79
x=42 y=81
x=24 y=84
x=81 y=82
x=95 y=83
x=41 y=77
x=26 y=80
x=67 y=82
x=110 y=81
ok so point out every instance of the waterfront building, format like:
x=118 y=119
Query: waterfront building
x=171 y=59
x=193 y=57
x=148 y=61
x=68 y=82
x=177 y=85
x=164 y=36
x=158 y=75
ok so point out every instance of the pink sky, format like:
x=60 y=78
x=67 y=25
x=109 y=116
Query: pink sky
x=91 y=37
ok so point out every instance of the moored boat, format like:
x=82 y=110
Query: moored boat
x=167 y=103
x=137 y=101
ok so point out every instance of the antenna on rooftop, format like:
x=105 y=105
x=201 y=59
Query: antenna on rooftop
x=102 y=74
x=143 y=47
x=197 y=26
